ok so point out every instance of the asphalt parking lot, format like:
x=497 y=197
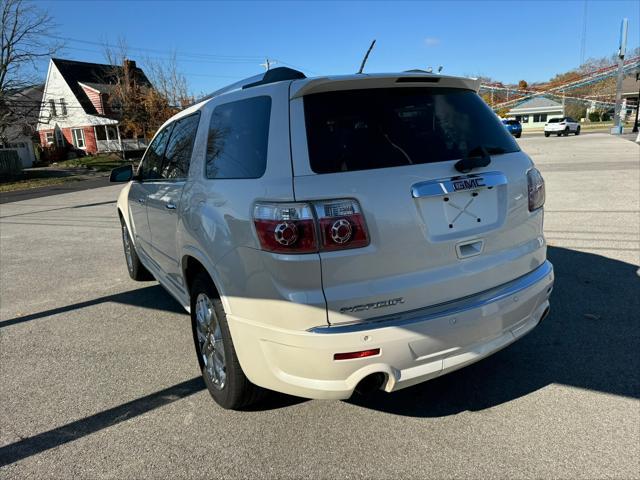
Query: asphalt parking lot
x=99 y=379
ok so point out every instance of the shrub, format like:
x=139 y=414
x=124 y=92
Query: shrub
x=594 y=117
x=605 y=117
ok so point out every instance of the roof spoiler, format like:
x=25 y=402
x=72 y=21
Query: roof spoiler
x=385 y=80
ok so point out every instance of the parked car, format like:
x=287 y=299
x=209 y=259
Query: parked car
x=513 y=126
x=339 y=233
x=561 y=126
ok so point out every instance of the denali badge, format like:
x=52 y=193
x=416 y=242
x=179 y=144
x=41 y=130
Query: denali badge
x=468 y=184
x=372 y=306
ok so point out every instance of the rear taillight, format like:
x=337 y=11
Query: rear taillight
x=535 y=186
x=310 y=227
x=285 y=227
x=341 y=225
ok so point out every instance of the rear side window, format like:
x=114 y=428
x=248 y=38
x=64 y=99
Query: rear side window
x=238 y=138
x=178 y=153
x=379 y=128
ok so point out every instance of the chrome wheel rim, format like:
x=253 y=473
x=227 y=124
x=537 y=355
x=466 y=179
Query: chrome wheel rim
x=210 y=341
x=127 y=247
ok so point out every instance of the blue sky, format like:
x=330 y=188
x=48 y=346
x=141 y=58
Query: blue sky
x=219 y=42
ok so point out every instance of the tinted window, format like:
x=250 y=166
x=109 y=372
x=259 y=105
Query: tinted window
x=151 y=166
x=378 y=128
x=238 y=138
x=555 y=120
x=510 y=122
x=178 y=154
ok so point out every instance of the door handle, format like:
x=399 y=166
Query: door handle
x=170 y=206
x=141 y=200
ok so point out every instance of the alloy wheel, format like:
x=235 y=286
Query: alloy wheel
x=210 y=341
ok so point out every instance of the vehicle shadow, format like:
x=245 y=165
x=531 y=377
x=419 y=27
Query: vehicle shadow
x=152 y=297
x=590 y=340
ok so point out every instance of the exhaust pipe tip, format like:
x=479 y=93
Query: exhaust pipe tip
x=371 y=383
x=545 y=314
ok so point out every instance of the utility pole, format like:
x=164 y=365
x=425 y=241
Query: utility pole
x=617 y=118
x=635 y=124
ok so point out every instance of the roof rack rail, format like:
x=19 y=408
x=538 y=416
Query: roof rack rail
x=270 y=76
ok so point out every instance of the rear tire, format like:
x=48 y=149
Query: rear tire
x=566 y=131
x=221 y=370
x=577 y=131
x=546 y=134
x=137 y=271
x=518 y=135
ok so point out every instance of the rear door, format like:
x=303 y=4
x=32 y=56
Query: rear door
x=436 y=234
x=163 y=204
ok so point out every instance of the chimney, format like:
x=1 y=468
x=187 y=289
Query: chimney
x=129 y=67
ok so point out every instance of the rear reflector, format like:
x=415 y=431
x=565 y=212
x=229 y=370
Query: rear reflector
x=352 y=355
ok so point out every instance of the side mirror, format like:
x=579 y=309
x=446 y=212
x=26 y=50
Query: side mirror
x=121 y=174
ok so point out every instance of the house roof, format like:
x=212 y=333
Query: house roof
x=538 y=102
x=92 y=74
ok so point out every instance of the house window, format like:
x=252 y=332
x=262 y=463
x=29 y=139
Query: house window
x=101 y=132
x=63 y=107
x=78 y=137
x=52 y=108
x=536 y=118
x=543 y=117
x=525 y=119
x=49 y=137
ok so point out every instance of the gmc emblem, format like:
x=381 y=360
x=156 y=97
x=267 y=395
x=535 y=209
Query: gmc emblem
x=468 y=184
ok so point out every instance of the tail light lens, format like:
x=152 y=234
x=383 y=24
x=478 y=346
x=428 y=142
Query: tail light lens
x=285 y=227
x=310 y=227
x=535 y=184
x=341 y=225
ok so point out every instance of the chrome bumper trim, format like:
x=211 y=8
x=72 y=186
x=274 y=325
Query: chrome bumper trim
x=443 y=309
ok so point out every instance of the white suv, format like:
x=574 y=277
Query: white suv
x=339 y=233
x=561 y=126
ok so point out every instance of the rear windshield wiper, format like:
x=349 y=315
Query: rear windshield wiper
x=477 y=157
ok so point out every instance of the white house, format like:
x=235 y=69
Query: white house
x=21 y=108
x=76 y=109
x=536 y=111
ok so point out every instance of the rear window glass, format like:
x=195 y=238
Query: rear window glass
x=238 y=138
x=379 y=128
x=555 y=120
x=510 y=122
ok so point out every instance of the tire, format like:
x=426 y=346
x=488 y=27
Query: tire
x=221 y=370
x=560 y=134
x=566 y=131
x=577 y=131
x=137 y=271
x=518 y=135
x=546 y=134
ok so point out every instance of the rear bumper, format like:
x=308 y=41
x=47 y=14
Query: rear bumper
x=414 y=346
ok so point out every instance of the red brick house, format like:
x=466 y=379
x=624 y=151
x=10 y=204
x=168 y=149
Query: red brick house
x=76 y=111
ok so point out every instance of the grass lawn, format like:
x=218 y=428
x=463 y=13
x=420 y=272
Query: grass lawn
x=100 y=163
x=34 y=179
x=65 y=171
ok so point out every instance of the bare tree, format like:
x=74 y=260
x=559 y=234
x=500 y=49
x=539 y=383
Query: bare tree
x=143 y=108
x=169 y=81
x=24 y=39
